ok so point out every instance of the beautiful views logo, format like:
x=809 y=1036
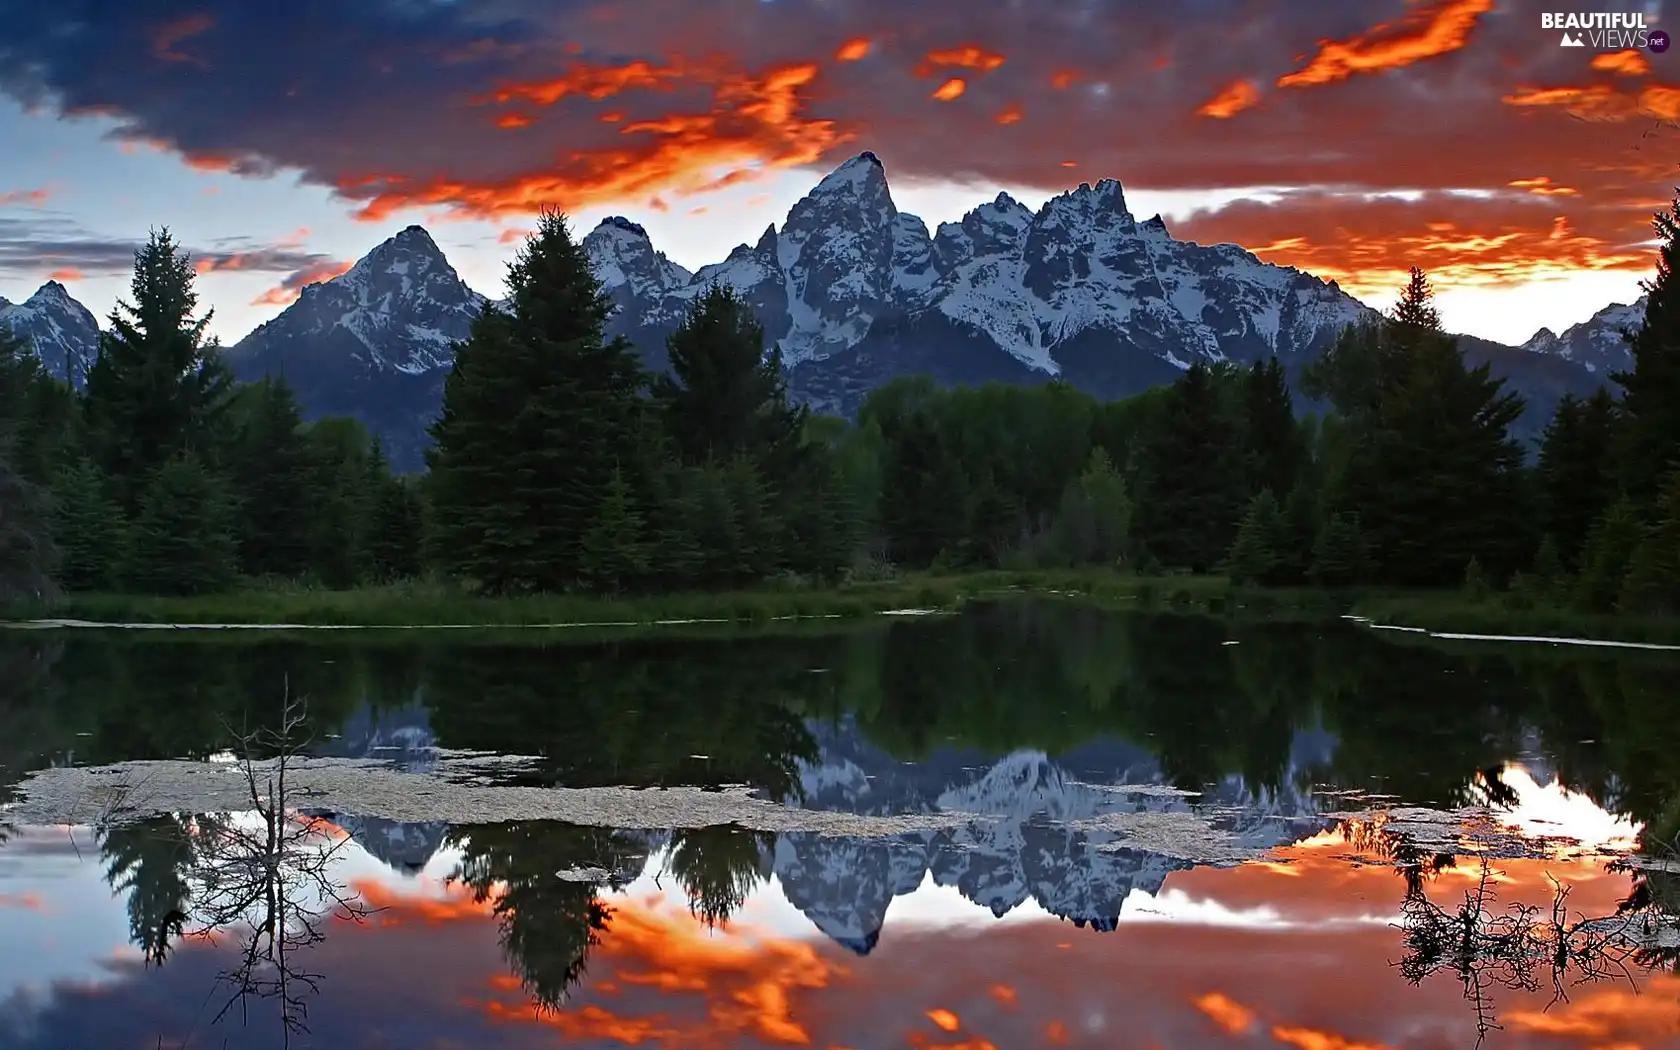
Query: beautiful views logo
x=1606 y=30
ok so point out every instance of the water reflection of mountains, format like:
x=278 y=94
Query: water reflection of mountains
x=844 y=884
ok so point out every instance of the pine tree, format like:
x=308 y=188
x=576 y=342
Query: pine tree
x=1431 y=468
x=1605 y=560
x=1577 y=472
x=1551 y=576
x=675 y=557
x=271 y=470
x=1301 y=520
x=539 y=410
x=1651 y=585
x=88 y=527
x=823 y=529
x=395 y=521
x=340 y=501
x=1416 y=306
x=1650 y=401
x=1271 y=433
x=612 y=553
x=1339 y=555
x=924 y=492
x=725 y=396
x=1190 y=492
x=181 y=541
x=37 y=413
x=1256 y=553
x=1093 y=525
x=159 y=385
x=27 y=553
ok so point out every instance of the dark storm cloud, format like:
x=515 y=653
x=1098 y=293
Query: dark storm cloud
x=498 y=107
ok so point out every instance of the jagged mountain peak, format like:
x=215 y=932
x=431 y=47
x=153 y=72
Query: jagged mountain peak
x=52 y=292
x=860 y=173
x=1598 y=343
x=63 y=333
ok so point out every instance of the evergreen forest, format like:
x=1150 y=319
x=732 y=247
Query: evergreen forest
x=560 y=465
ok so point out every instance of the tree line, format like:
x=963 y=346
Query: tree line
x=559 y=464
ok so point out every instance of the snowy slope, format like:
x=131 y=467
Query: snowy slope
x=1597 y=343
x=62 y=332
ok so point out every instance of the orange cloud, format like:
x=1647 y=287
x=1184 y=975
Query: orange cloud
x=208 y=162
x=512 y=236
x=26 y=901
x=612 y=116
x=853 y=50
x=967 y=57
x=1312 y=1039
x=1063 y=79
x=1601 y=102
x=33 y=198
x=295 y=239
x=1010 y=115
x=288 y=290
x=513 y=120
x=1366 y=243
x=166 y=39
x=1429 y=32
x=1541 y=186
x=592 y=82
x=1627 y=63
x=1232 y=99
x=69 y=273
x=755 y=119
x=951 y=89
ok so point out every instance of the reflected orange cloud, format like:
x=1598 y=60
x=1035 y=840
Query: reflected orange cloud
x=1231 y=100
x=755 y=119
x=1627 y=63
x=1232 y=1017
x=951 y=89
x=1428 y=32
x=853 y=50
x=1317 y=976
x=33 y=198
x=25 y=901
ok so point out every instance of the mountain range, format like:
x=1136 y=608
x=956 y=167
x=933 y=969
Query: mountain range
x=857 y=293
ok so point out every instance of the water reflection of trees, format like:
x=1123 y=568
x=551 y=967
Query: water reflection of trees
x=1487 y=944
x=263 y=876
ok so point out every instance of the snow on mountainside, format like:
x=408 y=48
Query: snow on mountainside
x=1078 y=289
x=856 y=293
x=1597 y=343
x=63 y=332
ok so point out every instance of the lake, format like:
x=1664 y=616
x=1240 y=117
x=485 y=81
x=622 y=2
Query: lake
x=1030 y=824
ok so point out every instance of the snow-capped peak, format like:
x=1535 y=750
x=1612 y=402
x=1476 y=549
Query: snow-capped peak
x=1597 y=343
x=623 y=257
x=52 y=292
x=861 y=175
x=63 y=333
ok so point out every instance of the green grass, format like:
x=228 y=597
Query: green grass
x=440 y=604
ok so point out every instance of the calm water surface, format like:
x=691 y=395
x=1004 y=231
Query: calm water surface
x=1083 y=829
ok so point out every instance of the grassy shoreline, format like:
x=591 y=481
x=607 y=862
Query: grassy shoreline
x=441 y=605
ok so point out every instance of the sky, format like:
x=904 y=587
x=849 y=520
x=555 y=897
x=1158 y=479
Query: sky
x=1350 y=138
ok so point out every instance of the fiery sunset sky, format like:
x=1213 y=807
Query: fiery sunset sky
x=1351 y=138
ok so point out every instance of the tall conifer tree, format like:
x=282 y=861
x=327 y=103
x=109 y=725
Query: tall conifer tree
x=539 y=411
